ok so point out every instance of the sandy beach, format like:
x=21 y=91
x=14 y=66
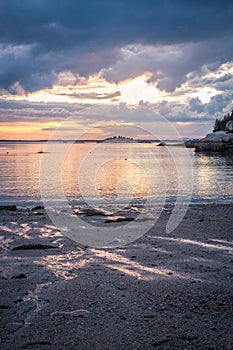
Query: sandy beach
x=164 y=291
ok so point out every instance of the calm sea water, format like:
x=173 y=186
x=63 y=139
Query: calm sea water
x=112 y=172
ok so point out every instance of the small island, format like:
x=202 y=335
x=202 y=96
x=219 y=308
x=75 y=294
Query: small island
x=119 y=139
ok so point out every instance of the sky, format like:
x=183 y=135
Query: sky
x=106 y=62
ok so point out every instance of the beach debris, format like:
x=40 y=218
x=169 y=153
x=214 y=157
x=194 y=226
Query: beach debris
x=35 y=343
x=33 y=246
x=162 y=144
x=118 y=219
x=121 y=286
x=38 y=207
x=149 y=316
x=21 y=275
x=8 y=207
x=167 y=209
x=92 y=212
x=38 y=213
x=122 y=317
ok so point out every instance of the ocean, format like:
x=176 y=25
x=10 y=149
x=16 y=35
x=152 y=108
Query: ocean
x=111 y=173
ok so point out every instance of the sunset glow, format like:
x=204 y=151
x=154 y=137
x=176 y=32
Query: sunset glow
x=176 y=71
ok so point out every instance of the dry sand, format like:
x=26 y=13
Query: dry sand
x=165 y=291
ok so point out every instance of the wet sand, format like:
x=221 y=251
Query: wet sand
x=164 y=291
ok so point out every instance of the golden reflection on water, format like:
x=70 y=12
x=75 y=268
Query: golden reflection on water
x=123 y=177
x=108 y=171
x=125 y=170
x=206 y=176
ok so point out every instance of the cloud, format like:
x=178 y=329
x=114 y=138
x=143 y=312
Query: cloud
x=14 y=111
x=169 y=64
x=194 y=117
x=40 y=39
x=145 y=112
x=219 y=102
x=93 y=95
x=196 y=105
x=218 y=105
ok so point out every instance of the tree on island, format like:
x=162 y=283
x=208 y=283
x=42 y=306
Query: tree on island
x=220 y=124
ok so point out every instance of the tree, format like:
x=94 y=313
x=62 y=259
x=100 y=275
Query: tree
x=220 y=124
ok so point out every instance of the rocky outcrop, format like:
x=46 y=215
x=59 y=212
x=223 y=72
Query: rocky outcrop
x=192 y=143
x=218 y=141
x=229 y=125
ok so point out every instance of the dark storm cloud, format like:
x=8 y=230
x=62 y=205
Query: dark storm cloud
x=42 y=38
x=61 y=24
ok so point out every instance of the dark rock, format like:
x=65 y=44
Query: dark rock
x=21 y=275
x=90 y=212
x=118 y=219
x=213 y=147
x=33 y=246
x=8 y=207
x=216 y=142
x=192 y=143
x=162 y=144
x=93 y=212
x=38 y=207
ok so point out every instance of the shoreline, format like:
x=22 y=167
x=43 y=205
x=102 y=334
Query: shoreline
x=30 y=205
x=165 y=291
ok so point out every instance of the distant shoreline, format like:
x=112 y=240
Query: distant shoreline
x=87 y=140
